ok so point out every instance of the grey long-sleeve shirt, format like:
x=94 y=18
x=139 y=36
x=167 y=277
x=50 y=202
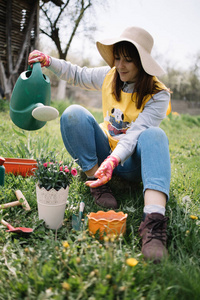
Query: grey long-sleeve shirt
x=92 y=79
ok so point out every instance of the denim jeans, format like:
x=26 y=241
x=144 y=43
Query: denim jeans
x=88 y=145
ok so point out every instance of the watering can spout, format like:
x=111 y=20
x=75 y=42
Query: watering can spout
x=30 y=101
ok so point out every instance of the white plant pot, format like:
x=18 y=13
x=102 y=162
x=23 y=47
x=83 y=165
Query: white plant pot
x=51 y=206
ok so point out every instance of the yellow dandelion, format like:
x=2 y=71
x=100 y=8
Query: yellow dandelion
x=108 y=276
x=113 y=238
x=65 y=244
x=193 y=217
x=132 y=262
x=78 y=260
x=122 y=288
x=106 y=239
x=92 y=274
x=66 y=286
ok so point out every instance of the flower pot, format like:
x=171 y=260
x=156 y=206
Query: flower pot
x=20 y=166
x=109 y=223
x=51 y=206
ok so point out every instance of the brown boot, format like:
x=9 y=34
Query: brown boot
x=103 y=196
x=154 y=237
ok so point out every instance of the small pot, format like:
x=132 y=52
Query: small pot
x=20 y=166
x=109 y=223
x=51 y=206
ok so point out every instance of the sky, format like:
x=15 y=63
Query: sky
x=174 y=25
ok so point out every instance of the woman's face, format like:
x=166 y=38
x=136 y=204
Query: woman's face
x=126 y=68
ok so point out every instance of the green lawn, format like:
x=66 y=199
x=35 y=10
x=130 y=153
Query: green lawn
x=42 y=266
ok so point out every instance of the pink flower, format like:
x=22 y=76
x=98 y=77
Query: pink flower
x=73 y=172
x=61 y=168
x=45 y=164
x=66 y=169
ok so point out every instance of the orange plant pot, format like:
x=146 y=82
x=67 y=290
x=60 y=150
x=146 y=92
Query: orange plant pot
x=20 y=166
x=109 y=223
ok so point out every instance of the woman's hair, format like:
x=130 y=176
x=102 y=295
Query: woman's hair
x=144 y=84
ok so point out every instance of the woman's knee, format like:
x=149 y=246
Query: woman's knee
x=155 y=134
x=71 y=114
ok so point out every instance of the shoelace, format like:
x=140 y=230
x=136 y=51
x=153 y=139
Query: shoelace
x=104 y=189
x=157 y=231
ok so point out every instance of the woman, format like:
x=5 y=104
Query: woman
x=129 y=142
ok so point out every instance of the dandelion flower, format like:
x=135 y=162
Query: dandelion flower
x=132 y=262
x=193 y=217
x=78 y=260
x=106 y=239
x=65 y=244
x=122 y=288
x=66 y=286
x=92 y=274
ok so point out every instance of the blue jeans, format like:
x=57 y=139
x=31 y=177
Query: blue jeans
x=88 y=145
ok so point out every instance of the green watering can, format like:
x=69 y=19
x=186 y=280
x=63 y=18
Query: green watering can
x=30 y=101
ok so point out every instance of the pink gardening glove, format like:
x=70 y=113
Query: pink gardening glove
x=104 y=172
x=37 y=56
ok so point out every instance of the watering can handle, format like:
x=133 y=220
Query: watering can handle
x=36 y=70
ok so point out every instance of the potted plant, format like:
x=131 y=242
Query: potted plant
x=53 y=180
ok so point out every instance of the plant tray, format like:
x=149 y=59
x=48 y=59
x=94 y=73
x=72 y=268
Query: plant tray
x=20 y=166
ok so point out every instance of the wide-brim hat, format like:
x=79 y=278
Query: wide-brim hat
x=142 y=40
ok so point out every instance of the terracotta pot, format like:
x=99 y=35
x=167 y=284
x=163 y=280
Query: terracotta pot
x=51 y=206
x=20 y=166
x=109 y=223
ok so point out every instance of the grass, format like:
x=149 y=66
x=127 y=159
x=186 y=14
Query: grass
x=43 y=266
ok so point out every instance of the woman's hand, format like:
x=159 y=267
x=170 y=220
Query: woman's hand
x=104 y=172
x=37 y=56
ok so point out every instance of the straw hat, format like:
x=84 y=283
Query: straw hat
x=142 y=40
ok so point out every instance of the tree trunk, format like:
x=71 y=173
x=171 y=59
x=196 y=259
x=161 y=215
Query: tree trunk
x=61 y=89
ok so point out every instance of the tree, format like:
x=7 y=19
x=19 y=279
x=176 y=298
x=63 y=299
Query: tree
x=61 y=24
x=18 y=36
x=185 y=84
